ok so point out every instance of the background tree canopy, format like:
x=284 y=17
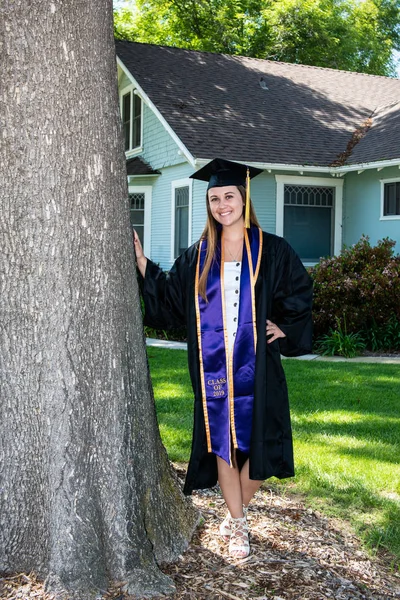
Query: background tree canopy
x=354 y=35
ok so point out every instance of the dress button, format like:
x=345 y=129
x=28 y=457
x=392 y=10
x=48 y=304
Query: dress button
x=235 y=319
x=236 y=291
x=234 y=333
x=235 y=304
x=237 y=278
x=238 y=264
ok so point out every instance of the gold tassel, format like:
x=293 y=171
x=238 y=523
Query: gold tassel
x=247 y=206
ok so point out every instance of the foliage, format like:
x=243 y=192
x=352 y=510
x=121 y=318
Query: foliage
x=345 y=429
x=347 y=35
x=341 y=34
x=177 y=334
x=339 y=342
x=384 y=337
x=360 y=287
x=124 y=24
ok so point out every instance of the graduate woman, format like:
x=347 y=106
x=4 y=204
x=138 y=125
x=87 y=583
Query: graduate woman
x=245 y=299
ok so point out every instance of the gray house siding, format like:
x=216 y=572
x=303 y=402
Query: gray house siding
x=362 y=207
x=159 y=149
x=263 y=194
x=123 y=80
x=199 y=211
x=162 y=213
x=162 y=153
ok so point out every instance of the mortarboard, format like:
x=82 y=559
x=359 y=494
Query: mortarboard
x=220 y=172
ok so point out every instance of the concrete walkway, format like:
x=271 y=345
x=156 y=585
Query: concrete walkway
x=358 y=359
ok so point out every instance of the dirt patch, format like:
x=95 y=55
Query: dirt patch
x=297 y=554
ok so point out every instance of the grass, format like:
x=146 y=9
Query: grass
x=346 y=431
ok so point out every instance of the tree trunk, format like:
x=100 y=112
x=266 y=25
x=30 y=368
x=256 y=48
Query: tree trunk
x=87 y=496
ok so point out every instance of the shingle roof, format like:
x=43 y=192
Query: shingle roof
x=137 y=166
x=263 y=111
x=383 y=140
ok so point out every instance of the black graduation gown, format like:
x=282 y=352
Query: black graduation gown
x=283 y=295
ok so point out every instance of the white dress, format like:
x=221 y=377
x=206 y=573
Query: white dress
x=232 y=297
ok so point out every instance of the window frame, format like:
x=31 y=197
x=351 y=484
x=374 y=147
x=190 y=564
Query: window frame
x=178 y=183
x=147 y=191
x=384 y=217
x=130 y=89
x=282 y=180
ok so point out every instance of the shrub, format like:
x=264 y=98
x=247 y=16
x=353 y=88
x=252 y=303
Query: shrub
x=359 y=288
x=177 y=335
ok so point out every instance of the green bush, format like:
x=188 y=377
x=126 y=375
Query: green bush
x=178 y=335
x=384 y=337
x=339 y=342
x=359 y=288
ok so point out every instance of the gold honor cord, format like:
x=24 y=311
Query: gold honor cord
x=198 y=324
x=247 y=206
x=253 y=279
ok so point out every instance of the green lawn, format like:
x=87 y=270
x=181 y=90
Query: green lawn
x=346 y=430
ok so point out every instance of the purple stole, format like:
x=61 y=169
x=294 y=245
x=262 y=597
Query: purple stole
x=227 y=377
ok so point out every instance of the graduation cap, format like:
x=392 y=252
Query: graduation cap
x=220 y=172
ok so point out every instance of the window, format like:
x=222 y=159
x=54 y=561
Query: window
x=181 y=220
x=131 y=113
x=391 y=199
x=309 y=215
x=307 y=220
x=136 y=201
x=140 y=213
x=181 y=216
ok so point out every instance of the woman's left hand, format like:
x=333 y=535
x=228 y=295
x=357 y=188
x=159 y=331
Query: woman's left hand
x=274 y=331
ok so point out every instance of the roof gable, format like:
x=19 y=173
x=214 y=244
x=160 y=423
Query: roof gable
x=383 y=140
x=255 y=110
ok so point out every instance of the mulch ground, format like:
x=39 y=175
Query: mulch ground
x=297 y=554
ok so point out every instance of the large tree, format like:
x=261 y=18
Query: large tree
x=87 y=495
x=357 y=35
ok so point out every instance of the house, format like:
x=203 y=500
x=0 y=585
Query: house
x=328 y=142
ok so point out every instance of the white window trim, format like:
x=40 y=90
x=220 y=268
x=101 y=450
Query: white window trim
x=382 y=216
x=187 y=182
x=138 y=149
x=281 y=180
x=147 y=191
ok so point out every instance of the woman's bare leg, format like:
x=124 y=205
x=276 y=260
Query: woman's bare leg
x=229 y=481
x=237 y=488
x=248 y=486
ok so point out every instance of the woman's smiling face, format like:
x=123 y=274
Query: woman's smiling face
x=226 y=205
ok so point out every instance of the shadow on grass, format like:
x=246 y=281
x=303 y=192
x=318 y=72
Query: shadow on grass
x=370 y=440
x=356 y=387
x=375 y=516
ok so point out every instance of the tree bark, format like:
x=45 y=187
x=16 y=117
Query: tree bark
x=87 y=496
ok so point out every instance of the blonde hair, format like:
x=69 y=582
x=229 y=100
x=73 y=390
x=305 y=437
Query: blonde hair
x=210 y=234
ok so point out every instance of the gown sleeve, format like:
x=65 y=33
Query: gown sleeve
x=164 y=296
x=292 y=303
